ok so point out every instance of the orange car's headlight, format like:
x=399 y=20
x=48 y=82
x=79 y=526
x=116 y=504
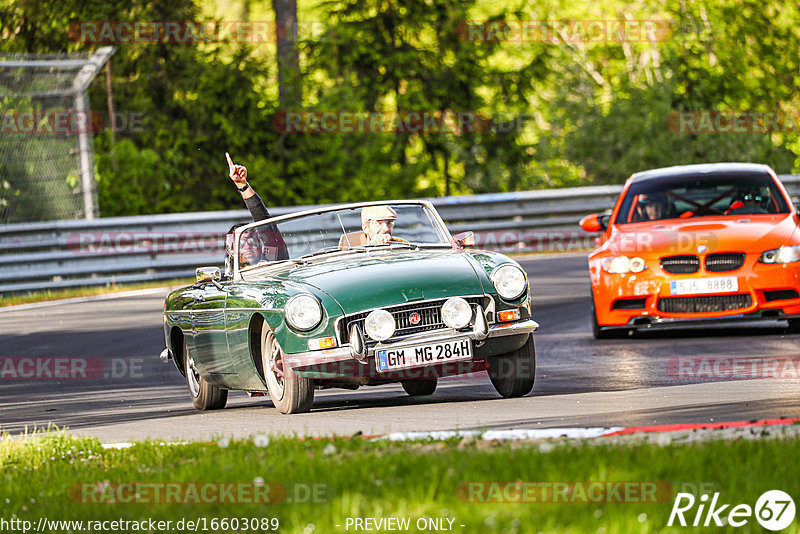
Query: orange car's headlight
x=781 y=255
x=623 y=264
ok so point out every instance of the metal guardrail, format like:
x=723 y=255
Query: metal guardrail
x=61 y=254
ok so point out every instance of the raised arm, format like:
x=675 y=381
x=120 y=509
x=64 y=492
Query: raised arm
x=238 y=174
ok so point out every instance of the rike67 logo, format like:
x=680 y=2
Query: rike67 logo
x=774 y=510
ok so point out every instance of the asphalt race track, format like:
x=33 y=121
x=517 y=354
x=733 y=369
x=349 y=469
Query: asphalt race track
x=124 y=392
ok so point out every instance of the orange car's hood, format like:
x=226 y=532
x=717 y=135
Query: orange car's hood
x=746 y=233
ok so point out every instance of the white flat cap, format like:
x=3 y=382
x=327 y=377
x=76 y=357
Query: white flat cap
x=377 y=213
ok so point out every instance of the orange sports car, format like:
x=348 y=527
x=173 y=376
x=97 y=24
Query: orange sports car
x=696 y=243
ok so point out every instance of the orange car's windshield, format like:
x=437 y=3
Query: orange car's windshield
x=693 y=196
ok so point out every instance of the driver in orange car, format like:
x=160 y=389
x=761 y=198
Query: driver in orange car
x=653 y=207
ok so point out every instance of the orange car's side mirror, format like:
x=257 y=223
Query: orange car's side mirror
x=592 y=223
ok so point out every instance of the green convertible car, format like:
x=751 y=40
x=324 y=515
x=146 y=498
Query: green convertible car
x=313 y=300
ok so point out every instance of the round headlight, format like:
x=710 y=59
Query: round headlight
x=637 y=265
x=379 y=325
x=303 y=312
x=456 y=313
x=509 y=281
x=620 y=264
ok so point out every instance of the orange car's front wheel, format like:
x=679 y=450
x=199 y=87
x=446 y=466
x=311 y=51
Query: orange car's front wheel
x=597 y=330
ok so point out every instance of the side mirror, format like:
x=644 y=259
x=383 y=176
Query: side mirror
x=464 y=239
x=208 y=274
x=594 y=223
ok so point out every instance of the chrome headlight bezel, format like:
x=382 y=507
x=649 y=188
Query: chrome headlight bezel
x=303 y=312
x=782 y=255
x=379 y=325
x=456 y=313
x=509 y=281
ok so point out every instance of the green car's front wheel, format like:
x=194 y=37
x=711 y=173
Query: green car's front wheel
x=204 y=395
x=289 y=393
x=512 y=374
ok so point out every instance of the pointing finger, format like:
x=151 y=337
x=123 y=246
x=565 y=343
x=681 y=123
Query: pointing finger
x=230 y=162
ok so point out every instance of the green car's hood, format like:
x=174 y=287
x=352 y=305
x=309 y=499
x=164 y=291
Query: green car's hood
x=378 y=279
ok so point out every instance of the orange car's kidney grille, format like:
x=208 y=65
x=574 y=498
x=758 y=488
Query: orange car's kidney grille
x=681 y=264
x=724 y=261
x=712 y=303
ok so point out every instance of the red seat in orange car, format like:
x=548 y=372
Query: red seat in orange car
x=735 y=206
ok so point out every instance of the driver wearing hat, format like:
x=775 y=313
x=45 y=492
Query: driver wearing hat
x=377 y=225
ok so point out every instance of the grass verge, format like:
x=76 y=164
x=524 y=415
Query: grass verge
x=322 y=483
x=57 y=294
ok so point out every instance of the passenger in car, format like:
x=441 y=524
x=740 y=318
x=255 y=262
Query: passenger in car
x=272 y=238
x=238 y=174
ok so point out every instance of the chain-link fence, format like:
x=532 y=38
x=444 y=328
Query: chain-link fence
x=46 y=128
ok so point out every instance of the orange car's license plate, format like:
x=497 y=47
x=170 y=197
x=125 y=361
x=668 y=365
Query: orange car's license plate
x=417 y=356
x=695 y=286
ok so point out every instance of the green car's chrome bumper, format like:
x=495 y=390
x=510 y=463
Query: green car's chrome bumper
x=316 y=358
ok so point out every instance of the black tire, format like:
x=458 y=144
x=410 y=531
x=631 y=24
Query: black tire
x=599 y=333
x=204 y=395
x=794 y=326
x=290 y=393
x=417 y=388
x=512 y=374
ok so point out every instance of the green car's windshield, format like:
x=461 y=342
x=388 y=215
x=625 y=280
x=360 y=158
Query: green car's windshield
x=715 y=194
x=333 y=231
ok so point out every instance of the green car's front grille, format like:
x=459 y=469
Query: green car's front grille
x=430 y=317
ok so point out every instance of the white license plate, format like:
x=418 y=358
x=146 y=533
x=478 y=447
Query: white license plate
x=419 y=355
x=695 y=286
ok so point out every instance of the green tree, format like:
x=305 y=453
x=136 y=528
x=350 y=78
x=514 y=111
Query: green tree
x=391 y=56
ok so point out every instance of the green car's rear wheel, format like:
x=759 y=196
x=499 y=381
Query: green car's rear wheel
x=289 y=393
x=204 y=395
x=420 y=387
x=512 y=374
